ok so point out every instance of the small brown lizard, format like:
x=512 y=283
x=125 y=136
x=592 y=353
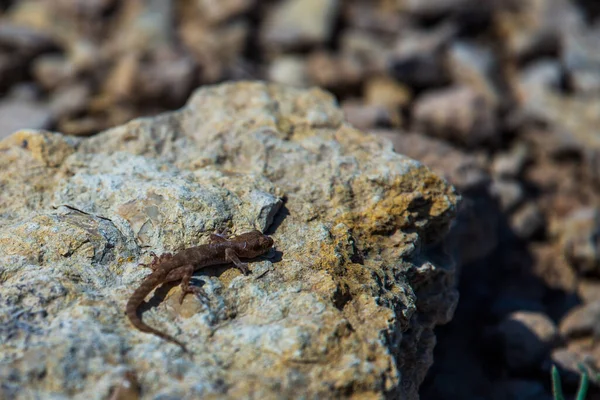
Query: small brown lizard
x=181 y=266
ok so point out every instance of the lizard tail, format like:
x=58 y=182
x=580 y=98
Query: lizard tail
x=132 y=313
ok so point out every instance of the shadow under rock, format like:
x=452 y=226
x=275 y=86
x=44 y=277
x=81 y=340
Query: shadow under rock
x=470 y=359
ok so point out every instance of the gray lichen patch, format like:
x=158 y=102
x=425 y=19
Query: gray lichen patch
x=344 y=305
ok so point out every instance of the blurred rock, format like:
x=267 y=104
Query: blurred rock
x=510 y=164
x=458 y=114
x=510 y=193
x=583 y=320
x=218 y=11
x=588 y=290
x=528 y=221
x=567 y=362
x=581 y=57
x=585 y=82
x=475 y=66
x=386 y=92
x=21 y=114
x=294 y=24
x=169 y=76
x=580 y=240
x=69 y=100
x=143 y=27
x=527 y=337
x=367 y=16
x=52 y=70
x=384 y=98
x=418 y=59
x=23 y=41
x=368 y=116
x=334 y=72
x=576 y=118
x=532 y=28
x=370 y=51
x=463 y=170
x=289 y=70
x=216 y=50
x=84 y=126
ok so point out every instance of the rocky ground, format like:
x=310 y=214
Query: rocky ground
x=501 y=97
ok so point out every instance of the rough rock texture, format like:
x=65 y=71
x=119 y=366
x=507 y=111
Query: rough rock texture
x=345 y=305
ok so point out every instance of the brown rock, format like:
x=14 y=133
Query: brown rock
x=332 y=71
x=527 y=337
x=457 y=114
x=512 y=163
x=79 y=214
x=385 y=92
x=367 y=116
x=299 y=23
x=69 y=100
x=588 y=290
x=418 y=59
x=474 y=66
x=370 y=51
x=218 y=11
x=528 y=221
x=568 y=362
x=580 y=238
x=510 y=193
x=18 y=114
x=581 y=321
x=52 y=70
x=289 y=70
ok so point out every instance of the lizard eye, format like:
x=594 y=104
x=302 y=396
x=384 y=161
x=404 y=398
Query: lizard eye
x=245 y=245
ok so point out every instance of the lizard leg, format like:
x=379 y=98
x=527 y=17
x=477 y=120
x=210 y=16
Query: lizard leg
x=217 y=238
x=232 y=257
x=156 y=260
x=185 y=274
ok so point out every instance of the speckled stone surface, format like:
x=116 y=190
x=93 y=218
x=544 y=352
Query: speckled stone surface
x=344 y=306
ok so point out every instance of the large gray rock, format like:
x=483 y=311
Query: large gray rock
x=345 y=305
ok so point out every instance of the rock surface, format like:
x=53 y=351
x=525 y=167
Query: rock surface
x=344 y=306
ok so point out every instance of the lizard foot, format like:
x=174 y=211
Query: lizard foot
x=195 y=290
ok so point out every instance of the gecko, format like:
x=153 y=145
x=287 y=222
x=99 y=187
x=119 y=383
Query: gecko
x=181 y=266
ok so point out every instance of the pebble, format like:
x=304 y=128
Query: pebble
x=294 y=24
x=509 y=193
x=222 y=10
x=474 y=66
x=527 y=337
x=418 y=59
x=528 y=221
x=18 y=114
x=289 y=70
x=386 y=92
x=568 y=363
x=334 y=71
x=366 y=116
x=588 y=290
x=52 y=70
x=581 y=240
x=512 y=163
x=581 y=321
x=69 y=100
x=458 y=114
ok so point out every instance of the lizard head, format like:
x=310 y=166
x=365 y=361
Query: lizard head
x=253 y=244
